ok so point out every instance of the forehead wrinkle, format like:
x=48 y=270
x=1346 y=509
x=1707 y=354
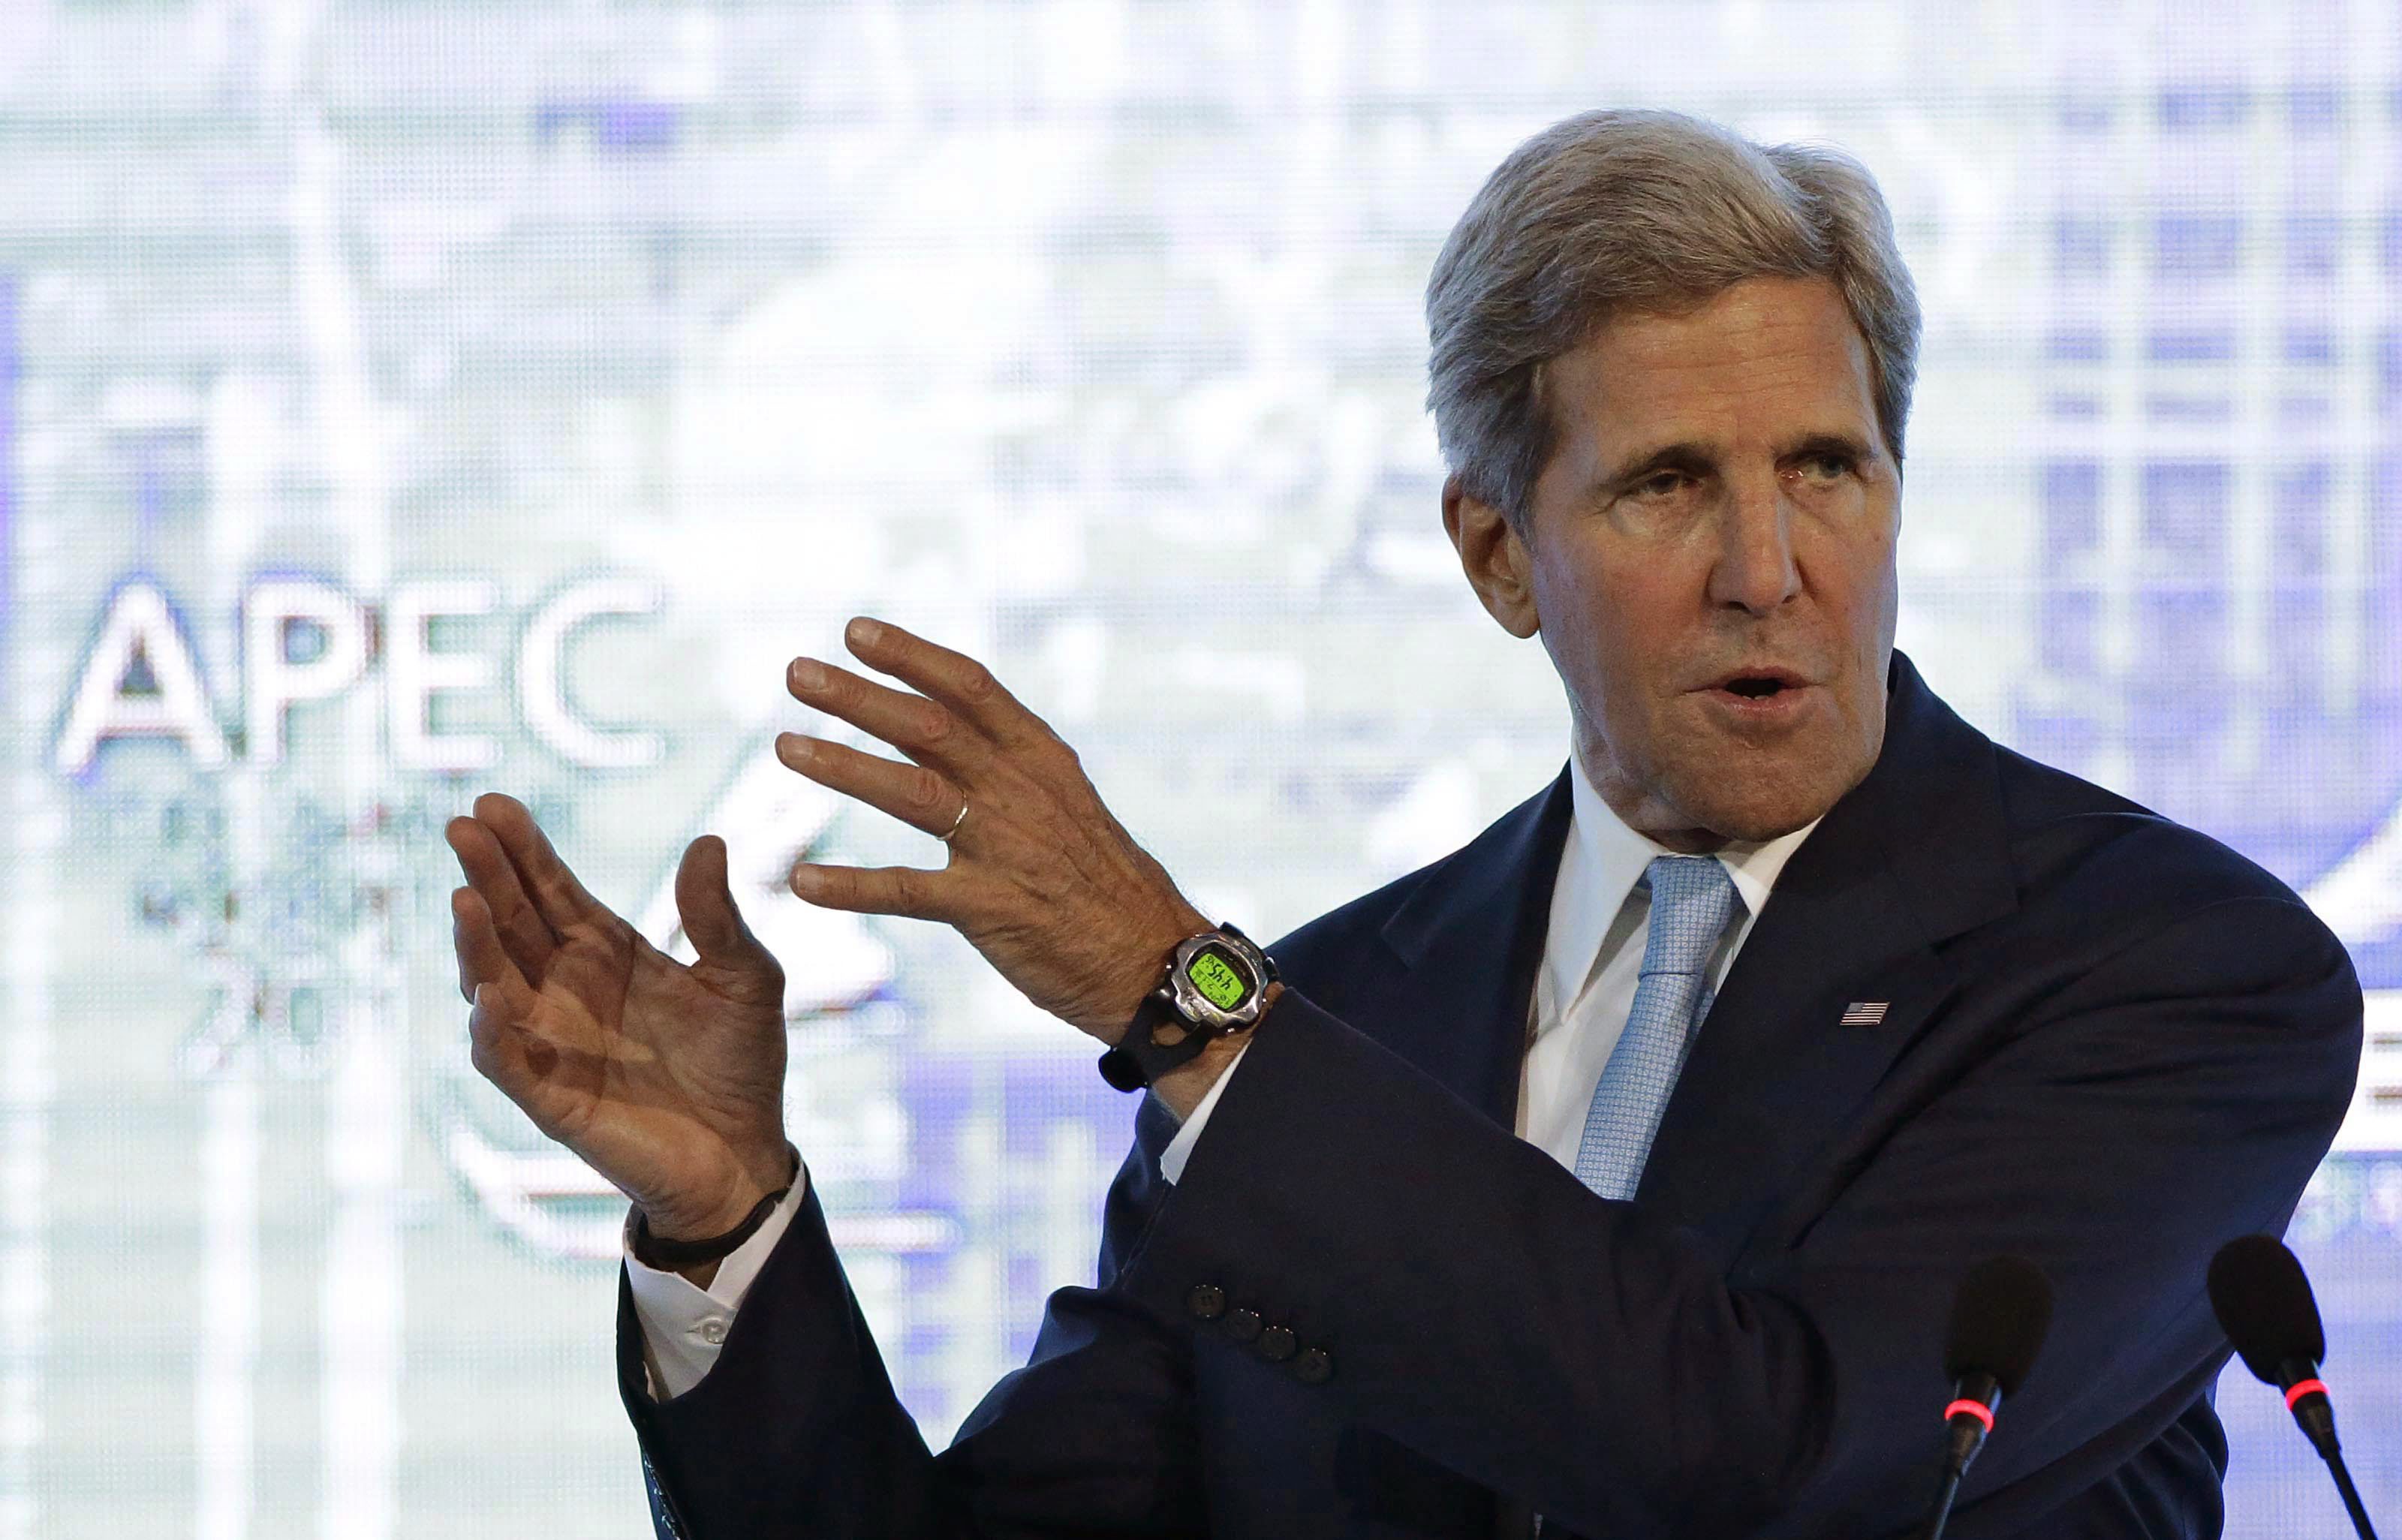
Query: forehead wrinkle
x=1750 y=398
x=1765 y=351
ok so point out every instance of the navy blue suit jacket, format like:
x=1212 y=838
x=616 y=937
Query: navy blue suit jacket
x=2109 y=1044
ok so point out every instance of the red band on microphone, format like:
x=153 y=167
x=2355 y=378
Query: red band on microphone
x=2305 y=1387
x=1978 y=1410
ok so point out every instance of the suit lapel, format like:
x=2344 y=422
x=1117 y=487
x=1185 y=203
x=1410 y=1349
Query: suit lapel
x=1914 y=854
x=1471 y=936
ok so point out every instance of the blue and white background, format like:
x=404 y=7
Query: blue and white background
x=402 y=399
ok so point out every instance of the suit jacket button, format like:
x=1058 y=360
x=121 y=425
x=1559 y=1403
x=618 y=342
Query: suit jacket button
x=1243 y=1325
x=1313 y=1367
x=1277 y=1344
x=1207 y=1302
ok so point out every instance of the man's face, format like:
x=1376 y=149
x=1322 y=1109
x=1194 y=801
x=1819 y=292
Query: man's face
x=1709 y=560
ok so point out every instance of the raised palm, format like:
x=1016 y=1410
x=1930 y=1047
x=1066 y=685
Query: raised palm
x=666 y=1078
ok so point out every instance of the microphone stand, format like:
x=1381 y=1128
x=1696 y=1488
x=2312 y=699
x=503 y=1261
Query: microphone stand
x=2306 y=1397
x=1943 y=1495
x=1968 y=1419
x=2350 y=1494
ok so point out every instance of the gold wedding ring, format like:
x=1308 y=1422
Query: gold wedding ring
x=945 y=835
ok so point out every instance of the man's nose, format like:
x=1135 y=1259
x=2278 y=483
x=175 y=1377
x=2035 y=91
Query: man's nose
x=1755 y=568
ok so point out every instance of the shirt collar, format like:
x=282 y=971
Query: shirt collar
x=1601 y=862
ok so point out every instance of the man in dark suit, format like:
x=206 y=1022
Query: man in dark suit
x=1570 y=1177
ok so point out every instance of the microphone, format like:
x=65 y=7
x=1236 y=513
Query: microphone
x=2263 y=1303
x=1999 y=1321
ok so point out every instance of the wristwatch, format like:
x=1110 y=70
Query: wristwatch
x=1214 y=984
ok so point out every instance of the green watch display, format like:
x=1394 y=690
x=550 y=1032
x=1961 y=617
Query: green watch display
x=1214 y=984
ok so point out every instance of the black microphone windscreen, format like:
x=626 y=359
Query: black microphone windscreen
x=1999 y=1321
x=2264 y=1304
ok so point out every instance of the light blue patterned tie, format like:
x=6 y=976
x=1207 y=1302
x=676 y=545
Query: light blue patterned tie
x=1692 y=900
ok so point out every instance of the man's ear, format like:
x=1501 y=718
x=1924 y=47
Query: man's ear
x=1495 y=560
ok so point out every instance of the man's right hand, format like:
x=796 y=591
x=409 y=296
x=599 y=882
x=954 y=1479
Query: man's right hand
x=667 y=1080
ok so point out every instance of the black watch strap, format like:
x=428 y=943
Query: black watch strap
x=1138 y=1058
x=673 y=1255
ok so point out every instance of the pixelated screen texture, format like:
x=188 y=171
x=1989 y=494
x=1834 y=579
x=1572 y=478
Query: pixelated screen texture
x=403 y=400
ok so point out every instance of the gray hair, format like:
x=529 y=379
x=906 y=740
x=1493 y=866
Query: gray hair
x=1649 y=211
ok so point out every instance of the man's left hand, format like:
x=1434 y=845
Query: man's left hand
x=1041 y=879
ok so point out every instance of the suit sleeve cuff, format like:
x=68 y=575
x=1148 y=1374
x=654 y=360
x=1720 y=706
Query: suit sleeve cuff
x=683 y=1326
x=1180 y=1150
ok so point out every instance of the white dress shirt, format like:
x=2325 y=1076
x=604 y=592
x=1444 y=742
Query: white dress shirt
x=685 y=1325
x=1593 y=959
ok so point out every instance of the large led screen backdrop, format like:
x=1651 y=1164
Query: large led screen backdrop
x=402 y=399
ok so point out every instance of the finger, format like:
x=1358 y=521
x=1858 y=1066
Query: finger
x=917 y=797
x=711 y=917
x=925 y=730
x=909 y=891
x=501 y=1002
x=951 y=678
x=483 y=958
x=556 y=894
x=527 y=936
x=509 y=1055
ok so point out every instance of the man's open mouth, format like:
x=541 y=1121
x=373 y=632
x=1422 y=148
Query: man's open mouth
x=1759 y=684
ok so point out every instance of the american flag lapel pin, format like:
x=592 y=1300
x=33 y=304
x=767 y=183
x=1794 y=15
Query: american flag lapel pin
x=1865 y=1013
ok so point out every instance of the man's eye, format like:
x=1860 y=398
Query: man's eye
x=1826 y=467
x=1660 y=484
